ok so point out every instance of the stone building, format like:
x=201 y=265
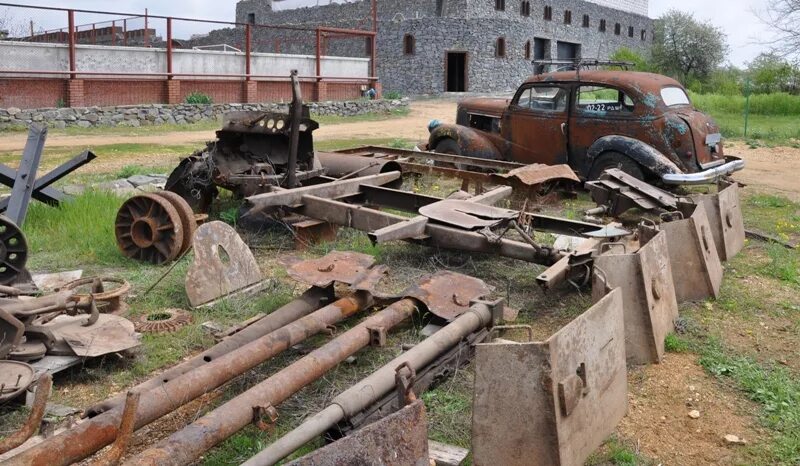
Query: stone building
x=434 y=46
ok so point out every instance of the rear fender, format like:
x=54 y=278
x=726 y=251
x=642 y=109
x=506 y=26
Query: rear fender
x=472 y=143
x=644 y=154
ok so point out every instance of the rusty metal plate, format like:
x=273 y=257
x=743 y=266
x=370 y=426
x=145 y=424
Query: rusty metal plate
x=697 y=269
x=467 y=215
x=223 y=264
x=15 y=377
x=111 y=334
x=448 y=294
x=535 y=174
x=725 y=218
x=646 y=280
x=552 y=402
x=400 y=438
x=341 y=267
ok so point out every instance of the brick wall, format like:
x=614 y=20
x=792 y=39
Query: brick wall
x=123 y=92
x=32 y=93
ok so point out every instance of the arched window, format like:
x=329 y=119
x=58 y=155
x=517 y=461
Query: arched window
x=528 y=50
x=409 y=44
x=525 y=8
x=630 y=31
x=500 y=5
x=602 y=26
x=644 y=34
x=567 y=17
x=586 y=21
x=548 y=13
x=617 y=29
x=500 y=48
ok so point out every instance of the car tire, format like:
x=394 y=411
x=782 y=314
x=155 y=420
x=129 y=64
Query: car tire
x=610 y=160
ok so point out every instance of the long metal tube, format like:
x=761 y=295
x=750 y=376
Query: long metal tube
x=90 y=436
x=308 y=302
x=43 y=387
x=351 y=166
x=185 y=446
x=365 y=393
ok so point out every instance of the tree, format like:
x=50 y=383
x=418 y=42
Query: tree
x=626 y=55
x=686 y=48
x=770 y=72
x=783 y=16
x=10 y=26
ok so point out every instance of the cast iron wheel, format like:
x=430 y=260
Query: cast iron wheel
x=149 y=229
x=13 y=251
x=615 y=160
x=187 y=217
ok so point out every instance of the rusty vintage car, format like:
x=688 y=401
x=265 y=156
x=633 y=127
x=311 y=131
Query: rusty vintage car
x=642 y=123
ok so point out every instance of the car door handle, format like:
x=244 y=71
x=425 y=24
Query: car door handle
x=564 y=129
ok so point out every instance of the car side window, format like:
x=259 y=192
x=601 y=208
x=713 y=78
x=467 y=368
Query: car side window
x=545 y=99
x=601 y=99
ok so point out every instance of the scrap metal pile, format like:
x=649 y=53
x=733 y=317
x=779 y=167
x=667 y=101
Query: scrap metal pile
x=553 y=401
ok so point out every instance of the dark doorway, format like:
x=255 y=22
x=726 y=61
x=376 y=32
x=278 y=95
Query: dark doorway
x=456 y=67
x=568 y=51
x=541 y=51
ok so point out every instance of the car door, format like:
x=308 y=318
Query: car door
x=536 y=124
x=598 y=111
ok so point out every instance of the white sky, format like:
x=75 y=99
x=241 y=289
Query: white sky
x=735 y=17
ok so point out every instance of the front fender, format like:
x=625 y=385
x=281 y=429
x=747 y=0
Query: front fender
x=473 y=143
x=644 y=154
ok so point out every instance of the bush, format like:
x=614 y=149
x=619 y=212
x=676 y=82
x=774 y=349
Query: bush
x=199 y=98
x=778 y=104
x=392 y=95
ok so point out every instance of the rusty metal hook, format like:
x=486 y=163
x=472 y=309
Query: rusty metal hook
x=124 y=434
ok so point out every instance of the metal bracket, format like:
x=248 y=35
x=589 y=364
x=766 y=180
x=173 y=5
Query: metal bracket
x=265 y=417
x=404 y=377
x=377 y=336
x=496 y=307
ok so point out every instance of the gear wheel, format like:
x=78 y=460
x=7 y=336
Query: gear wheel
x=166 y=321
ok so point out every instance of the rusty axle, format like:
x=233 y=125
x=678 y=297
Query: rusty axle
x=94 y=434
x=185 y=446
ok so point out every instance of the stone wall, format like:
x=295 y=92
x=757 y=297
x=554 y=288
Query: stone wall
x=148 y=115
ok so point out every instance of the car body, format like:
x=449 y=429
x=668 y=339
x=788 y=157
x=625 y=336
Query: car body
x=643 y=123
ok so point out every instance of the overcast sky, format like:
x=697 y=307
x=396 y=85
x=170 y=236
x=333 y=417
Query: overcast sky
x=735 y=17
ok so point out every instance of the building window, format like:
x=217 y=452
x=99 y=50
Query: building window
x=567 y=17
x=525 y=8
x=528 y=50
x=644 y=34
x=602 y=26
x=251 y=18
x=617 y=29
x=586 y=21
x=630 y=31
x=500 y=5
x=548 y=13
x=500 y=48
x=409 y=44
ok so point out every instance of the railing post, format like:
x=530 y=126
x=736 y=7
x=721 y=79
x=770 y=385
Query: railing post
x=72 y=59
x=169 y=48
x=125 y=32
x=319 y=54
x=146 y=29
x=94 y=33
x=113 y=33
x=248 y=52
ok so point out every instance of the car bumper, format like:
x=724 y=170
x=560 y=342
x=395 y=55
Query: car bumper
x=708 y=176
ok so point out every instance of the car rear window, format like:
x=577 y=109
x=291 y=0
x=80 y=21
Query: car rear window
x=674 y=96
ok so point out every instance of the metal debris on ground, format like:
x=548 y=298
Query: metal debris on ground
x=223 y=265
x=166 y=321
x=108 y=292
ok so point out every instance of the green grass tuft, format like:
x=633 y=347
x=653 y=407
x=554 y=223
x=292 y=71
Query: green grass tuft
x=784 y=264
x=675 y=344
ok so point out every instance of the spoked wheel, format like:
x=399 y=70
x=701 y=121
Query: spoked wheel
x=149 y=228
x=185 y=213
x=13 y=251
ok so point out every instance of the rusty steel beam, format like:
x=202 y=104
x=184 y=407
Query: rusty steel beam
x=92 y=435
x=34 y=420
x=363 y=394
x=187 y=445
x=307 y=303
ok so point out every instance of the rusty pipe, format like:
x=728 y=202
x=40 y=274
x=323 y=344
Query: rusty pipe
x=184 y=446
x=34 y=420
x=365 y=393
x=348 y=166
x=126 y=428
x=308 y=302
x=88 y=437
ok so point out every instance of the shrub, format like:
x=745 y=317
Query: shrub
x=199 y=98
x=392 y=95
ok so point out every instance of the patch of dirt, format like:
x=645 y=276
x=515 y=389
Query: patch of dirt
x=769 y=168
x=660 y=399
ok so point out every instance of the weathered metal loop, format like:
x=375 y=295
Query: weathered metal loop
x=265 y=417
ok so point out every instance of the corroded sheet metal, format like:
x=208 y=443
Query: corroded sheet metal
x=111 y=334
x=400 y=438
x=466 y=214
x=552 y=402
x=725 y=218
x=342 y=267
x=646 y=280
x=223 y=264
x=697 y=269
x=448 y=294
x=536 y=174
x=15 y=378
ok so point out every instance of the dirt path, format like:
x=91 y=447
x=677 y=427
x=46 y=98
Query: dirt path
x=768 y=169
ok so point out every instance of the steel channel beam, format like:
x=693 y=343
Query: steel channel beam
x=187 y=445
x=305 y=304
x=26 y=175
x=379 y=151
x=90 y=436
x=362 y=395
x=41 y=190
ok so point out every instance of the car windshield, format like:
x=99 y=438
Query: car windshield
x=674 y=96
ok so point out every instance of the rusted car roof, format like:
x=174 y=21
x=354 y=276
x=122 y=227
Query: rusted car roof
x=637 y=84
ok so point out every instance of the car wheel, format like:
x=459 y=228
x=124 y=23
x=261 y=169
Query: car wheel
x=615 y=160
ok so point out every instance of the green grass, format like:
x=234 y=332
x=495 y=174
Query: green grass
x=339 y=144
x=777 y=104
x=325 y=120
x=784 y=264
x=772 y=117
x=675 y=344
